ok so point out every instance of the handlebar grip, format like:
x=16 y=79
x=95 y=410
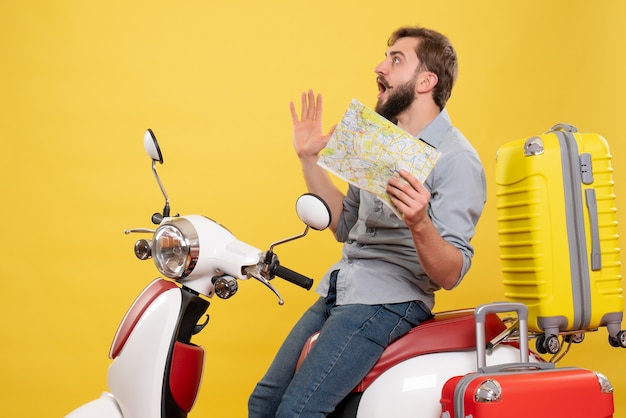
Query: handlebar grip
x=293 y=277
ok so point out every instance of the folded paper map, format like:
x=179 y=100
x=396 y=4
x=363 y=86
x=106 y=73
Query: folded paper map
x=366 y=150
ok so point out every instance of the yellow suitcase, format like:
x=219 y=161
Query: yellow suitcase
x=557 y=228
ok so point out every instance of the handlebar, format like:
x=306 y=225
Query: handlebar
x=292 y=276
x=273 y=268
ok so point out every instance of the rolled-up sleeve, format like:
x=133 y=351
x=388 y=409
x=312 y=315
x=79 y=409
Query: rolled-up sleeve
x=458 y=195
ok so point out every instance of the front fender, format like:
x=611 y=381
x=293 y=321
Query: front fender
x=104 y=407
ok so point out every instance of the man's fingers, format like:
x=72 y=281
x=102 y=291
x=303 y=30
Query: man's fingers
x=311 y=107
x=332 y=130
x=305 y=107
x=318 y=106
x=413 y=181
x=294 y=113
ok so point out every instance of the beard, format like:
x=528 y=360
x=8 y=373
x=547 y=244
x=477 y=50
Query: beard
x=398 y=101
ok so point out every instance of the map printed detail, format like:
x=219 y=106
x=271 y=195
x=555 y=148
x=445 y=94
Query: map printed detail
x=366 y=150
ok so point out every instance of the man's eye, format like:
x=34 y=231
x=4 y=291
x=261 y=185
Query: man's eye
x=395 y=60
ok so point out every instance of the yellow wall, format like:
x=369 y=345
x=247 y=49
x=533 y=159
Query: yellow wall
x=81 y=81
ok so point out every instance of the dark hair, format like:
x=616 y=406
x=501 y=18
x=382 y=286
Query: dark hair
x=435 y=54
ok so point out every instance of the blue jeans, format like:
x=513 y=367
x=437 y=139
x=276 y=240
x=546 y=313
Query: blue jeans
x=352 y=338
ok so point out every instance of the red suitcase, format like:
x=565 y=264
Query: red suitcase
x=524 y=389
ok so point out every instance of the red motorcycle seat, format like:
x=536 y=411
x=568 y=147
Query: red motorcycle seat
x=445 y=332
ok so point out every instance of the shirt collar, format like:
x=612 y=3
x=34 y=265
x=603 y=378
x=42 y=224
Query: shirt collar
x=433 y=133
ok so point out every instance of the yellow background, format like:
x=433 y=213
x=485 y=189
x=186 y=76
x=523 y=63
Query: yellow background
x=81 y=81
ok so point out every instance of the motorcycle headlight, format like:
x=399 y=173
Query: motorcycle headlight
x=175 y=248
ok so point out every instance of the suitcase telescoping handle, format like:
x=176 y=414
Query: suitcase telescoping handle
x=565 y=127
x=480 y=314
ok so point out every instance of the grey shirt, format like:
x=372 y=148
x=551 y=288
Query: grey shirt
x=379 y=263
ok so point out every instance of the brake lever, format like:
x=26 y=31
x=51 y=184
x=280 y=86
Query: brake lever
x=269 y=286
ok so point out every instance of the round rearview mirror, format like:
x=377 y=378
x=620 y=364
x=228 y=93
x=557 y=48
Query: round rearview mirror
x=313 y=211
x=152 y=146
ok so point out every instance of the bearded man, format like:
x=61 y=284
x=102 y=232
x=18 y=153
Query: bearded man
x=391 y=266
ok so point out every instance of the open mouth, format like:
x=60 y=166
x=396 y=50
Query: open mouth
x=382 y=86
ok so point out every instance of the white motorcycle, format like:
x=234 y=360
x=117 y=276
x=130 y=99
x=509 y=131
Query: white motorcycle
x=156 y=370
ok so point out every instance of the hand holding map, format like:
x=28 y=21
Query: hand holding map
x=366 y=150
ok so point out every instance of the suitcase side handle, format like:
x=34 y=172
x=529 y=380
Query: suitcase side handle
x=594 y=229
x=517 y=367
x=480 y=314
x=565 y=127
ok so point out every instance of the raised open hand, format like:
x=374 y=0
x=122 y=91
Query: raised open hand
x=308 y=137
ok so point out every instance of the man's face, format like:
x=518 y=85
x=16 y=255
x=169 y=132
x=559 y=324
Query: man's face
x=397 y=76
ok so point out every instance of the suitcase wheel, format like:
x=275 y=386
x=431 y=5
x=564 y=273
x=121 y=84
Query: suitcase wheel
x=574 y=338
x=548 y=344
x=619 y=340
